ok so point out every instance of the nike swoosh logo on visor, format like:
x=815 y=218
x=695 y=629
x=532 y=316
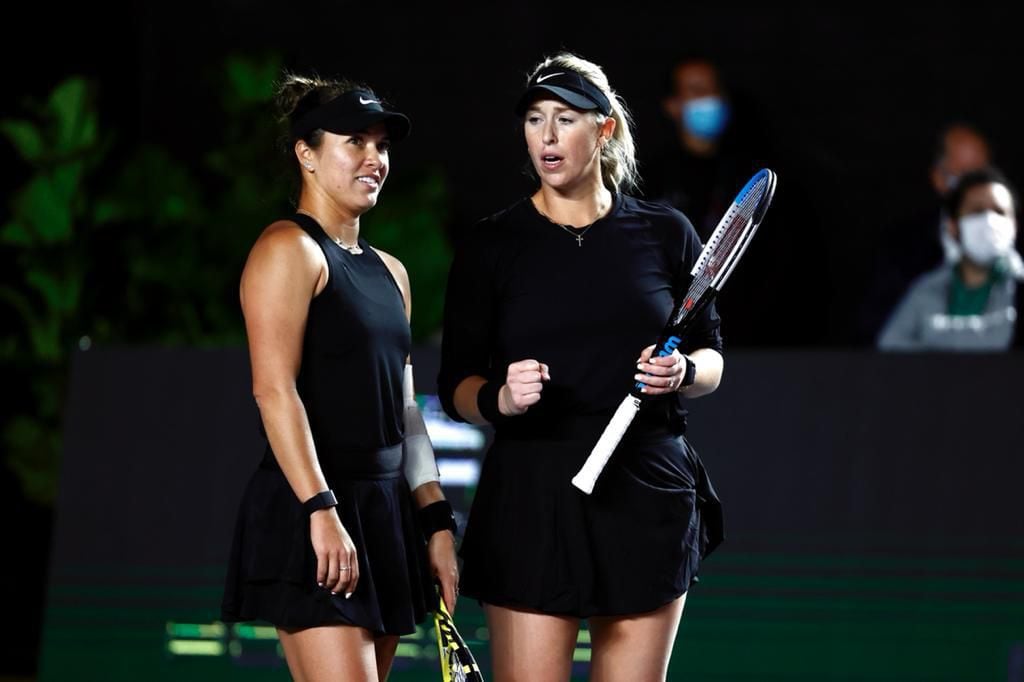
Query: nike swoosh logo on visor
x=550 y=75
x=368 y=101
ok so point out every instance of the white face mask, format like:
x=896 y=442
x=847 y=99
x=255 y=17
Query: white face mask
x=986 y=236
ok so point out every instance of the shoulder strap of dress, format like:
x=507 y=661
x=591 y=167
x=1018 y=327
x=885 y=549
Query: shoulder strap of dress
x=311 y=226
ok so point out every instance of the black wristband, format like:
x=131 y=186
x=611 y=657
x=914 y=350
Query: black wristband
x=320 y=501
x=436 y=516
x=691 y=372
x=487 y=402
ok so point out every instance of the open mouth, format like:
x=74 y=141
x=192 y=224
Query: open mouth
x=551 y=161
x=369 y=181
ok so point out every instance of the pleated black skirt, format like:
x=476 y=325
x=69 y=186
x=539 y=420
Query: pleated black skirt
x=272 y=567
x=534 y=541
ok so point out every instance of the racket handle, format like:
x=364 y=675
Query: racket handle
x=586 y=477
x=670 y=340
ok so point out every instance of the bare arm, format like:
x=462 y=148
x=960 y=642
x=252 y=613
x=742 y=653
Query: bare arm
x=524 y=382
x=710 y=365
x=465 y=399
x=284 y=271
x=280 y=278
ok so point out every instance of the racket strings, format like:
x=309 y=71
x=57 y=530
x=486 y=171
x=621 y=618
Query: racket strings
x=743 y=213
x=737 y=236
x=726 y=240
x=732 y=242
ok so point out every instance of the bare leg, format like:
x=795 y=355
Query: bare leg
x=329 y=653
x=635 y=647
x=527 y=646
x=384 y=647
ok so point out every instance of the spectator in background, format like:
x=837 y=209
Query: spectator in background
x=702 y=173
x=968 y=304
x=712 y=150
x=922 y=241
x=962 y=149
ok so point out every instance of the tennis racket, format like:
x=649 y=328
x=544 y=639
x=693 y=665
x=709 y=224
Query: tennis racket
x=714 y=265
x=457 y=662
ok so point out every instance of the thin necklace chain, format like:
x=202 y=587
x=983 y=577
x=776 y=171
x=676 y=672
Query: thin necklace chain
x=572 y=230
x=354 y=249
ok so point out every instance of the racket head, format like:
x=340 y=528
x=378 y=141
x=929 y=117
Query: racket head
x=733 y=233
x=726 y=245
x=767 y=194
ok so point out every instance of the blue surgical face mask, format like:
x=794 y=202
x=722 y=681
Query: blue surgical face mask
x=705 y=117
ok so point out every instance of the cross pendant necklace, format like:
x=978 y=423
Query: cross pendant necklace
x=579 y=237
x=570 y=230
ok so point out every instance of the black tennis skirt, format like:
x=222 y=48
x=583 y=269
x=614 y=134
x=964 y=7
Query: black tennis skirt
x=272 y=567
x=534 y=541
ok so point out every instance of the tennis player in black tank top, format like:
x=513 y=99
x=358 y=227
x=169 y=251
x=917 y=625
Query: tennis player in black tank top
x=343 y=527
x=549 y=305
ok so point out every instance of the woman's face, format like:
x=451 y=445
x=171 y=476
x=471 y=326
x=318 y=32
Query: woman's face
x=351 y=169
x=564 y=143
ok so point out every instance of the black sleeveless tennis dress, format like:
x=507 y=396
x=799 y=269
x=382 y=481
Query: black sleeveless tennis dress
x=356 y=342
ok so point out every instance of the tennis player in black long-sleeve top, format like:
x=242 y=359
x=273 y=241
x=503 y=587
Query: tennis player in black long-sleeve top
x=551 y=306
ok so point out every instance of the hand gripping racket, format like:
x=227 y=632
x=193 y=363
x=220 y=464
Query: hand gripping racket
x=714 y=265
x=457 y=662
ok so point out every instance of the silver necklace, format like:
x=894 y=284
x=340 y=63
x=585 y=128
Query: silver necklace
x=578 y=235
x=354 y=249
x=573 y=230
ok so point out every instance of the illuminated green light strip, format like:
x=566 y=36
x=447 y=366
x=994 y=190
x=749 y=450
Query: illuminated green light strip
x=196 y=630
x=406 y=650
x=584 y=637
x=191 y=647
x=581 y=655
x=255 y=632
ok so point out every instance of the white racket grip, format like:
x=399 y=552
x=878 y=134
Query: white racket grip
x=586 y=477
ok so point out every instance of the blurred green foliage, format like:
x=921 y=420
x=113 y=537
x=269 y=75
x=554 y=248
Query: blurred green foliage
x=113 y=241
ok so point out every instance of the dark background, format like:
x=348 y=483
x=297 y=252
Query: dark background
x=848 y=99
